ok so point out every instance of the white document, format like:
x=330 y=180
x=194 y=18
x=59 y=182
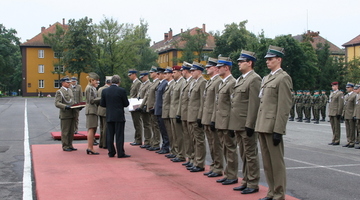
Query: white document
x=134 y=103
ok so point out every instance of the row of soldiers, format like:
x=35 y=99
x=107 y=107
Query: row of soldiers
x=182 y=107
x=305 y=104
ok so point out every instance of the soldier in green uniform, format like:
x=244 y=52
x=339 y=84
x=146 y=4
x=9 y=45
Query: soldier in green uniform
x=136 y=115
x=292 y=111
x=307 y=106
x=299 y=105
x=324 y=101
x=316 y=102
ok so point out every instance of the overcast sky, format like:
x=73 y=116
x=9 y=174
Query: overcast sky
x=337 y=21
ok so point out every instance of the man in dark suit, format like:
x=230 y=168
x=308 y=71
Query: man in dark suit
x=158 y=111
x=114 y=98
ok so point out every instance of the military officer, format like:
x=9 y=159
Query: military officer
x=166 y=101
x=244 y=105
x=216 y=149
x=357 y=115
x=196 y=101
x=316 y=102
x=64 y=98
x=145 y=116
x=292 y=111
x=336 y=104
x=176 y=127
x=78 y=97
x=348 y=113
x=136 y=115
x=299 y=105
x=275 y=105
x=220 y=120
x=324 y=100
x=101 y=112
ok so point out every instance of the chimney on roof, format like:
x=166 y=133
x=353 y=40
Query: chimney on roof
x=181 y=30
x=166 y=36
x=42 y=28
x=170 y=34
x=63 y=21
x=203 y=28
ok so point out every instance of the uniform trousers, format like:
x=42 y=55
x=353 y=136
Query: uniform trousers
x=335 y=126
x=316 y=113
x=357 y=128
x=163 y=132
x=155 y=138
x=146 y=118
x=177 y=139
x=323 y=111
x=216 y=150
x=115 y=129
x=292 y=111
x=228 y=141
x=168 y=131
x=138 y=125
x=67 y=132
x=307 y=112
x=103 y=126
x=76 y=119
x=199 y=144
x=274 y=166
x=350 y=131
x=299 y=111
x=188 y=142
x=250 y=158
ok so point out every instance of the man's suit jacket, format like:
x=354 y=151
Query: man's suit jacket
x=209 y=99
x=143 y=89
x=101 y=110
x=166 y=100
x=245 y=102
x=160 y=89
x=77 y=92
x=196 y=99
x=134 y=89
x=336 y=103
x=64 y=98
x=175 y=97
x=149 y=99
x=184 y=100
x=349 y=105
x=222 y=105
x=114 y=99
x=275 y=103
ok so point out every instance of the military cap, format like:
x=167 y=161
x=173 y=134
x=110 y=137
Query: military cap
x=160 y=70
x=197 y=66
x=94 y=75
x=65 y=79
x=153 y=69
x=143 y=73
x=132 y=71
x=299 y=91
x=186 y=66
x=211 y=62
x=274 y=51
x=323 y=90
x=247 y=55
x=349 y=84
x=73 y=78
x=176 y=68
x=335 y=83
x=356 y=86
x=316 y=91
x=168 y=70
x=224 y=61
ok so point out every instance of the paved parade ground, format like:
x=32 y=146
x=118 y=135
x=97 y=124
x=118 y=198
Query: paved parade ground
x=315 y=170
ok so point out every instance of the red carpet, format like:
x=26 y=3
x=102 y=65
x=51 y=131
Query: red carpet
x=81 y=135
x=145 y=175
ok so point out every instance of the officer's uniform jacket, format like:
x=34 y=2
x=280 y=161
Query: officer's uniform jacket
x=77 y=92
x=101 y=110
x=196 y=102
x=349 y=105
x=222 y=105
x=357 y=107
x=245 y=102
x=149 y=99
x=92 y=100
x=64 y=97
x=143 y=89
x=184 y=100
x=336 y=103
x=166 y=98
x=175 y=96
x=209 y=99
x=275 y=103
x=134 y=89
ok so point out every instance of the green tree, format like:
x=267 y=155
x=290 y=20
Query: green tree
x=10 y=60
x=79 y=55
x=56 y=42
x=353 y=69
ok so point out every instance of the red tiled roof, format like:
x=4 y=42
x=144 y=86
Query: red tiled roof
x=318 y=39
x=169 y=44
x=354 y=41
x=38 y=39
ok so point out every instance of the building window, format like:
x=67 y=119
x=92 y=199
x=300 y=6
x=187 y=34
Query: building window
x=41 y=68
x=41 y=83
x=56 y=84
x=59 y=68
x=57 y=55
x=41 y=53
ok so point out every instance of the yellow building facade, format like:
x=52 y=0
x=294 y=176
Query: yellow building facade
x=352 y=49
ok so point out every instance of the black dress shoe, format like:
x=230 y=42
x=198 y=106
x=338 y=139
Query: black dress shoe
x=197 y=169
x=177 y=160
x=221 y=180
x=170 y=156
x=351 y=146
x=104 y=147
x=207 y=173
x=336 y=143
x=214 y=175
x=68 y=149
x=95 y=143
x=249 y=191
x=111 y=155
x=124 y=156
x=163 y=151
x=190 y=168
x=145 y=146
x=154 y=148
x=331 y=143
x=135 y=144
x=346 y=145
x=230 y=181
x=184 y=164
x=240 y=188
x=266 y=198
x=74 y=149
x=189 y=165
x=357 y=147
